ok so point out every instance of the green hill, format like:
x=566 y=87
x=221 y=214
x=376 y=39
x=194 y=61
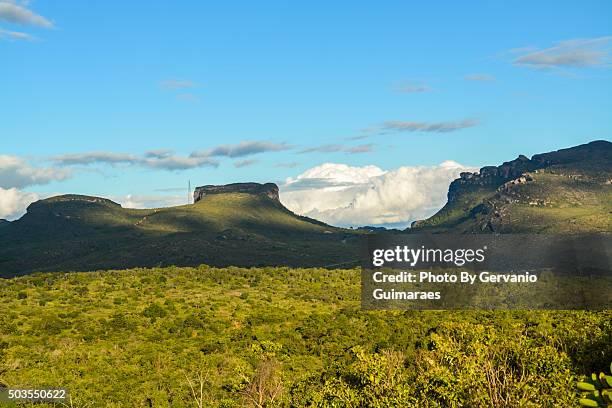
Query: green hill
x=566 y=191
x=73 y=232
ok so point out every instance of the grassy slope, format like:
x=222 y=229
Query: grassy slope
x=75 y=233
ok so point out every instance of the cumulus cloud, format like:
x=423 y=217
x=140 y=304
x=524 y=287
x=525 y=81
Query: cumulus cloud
x=14 y=13
x=14 y=202
x=16 y=172
x=436 y=127
x=351 y=196
x=480 y=77
x=576 y=53
x=14 y=35
x=245 y=148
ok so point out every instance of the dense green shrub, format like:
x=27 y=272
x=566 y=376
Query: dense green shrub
x=297 y=338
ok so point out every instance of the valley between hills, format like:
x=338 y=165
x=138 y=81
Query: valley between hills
x=235 y=301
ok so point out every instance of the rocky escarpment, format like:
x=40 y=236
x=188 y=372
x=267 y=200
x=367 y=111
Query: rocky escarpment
x=564 y=190
x=66 y=203
x=268 y=189
x=515 y=169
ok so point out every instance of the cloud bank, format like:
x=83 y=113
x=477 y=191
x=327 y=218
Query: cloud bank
x=16 y=172
x=352 y=196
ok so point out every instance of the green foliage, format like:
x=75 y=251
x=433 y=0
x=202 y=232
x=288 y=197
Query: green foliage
x=153 y=311
x=596 y=391
x=298 y=339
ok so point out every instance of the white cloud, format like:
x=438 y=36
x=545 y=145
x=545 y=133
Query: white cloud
x=16 y=172
x=14 y=35
x=576 y=53
x=13 y=202
x=18 y=14
x=150 y=201
x=351 y=196
x=162 y=159
x=95 y=157
x=436 y=127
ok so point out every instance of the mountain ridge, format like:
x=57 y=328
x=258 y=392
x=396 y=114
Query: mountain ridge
x=244 y=224
x=562 y=186
x=73 y=232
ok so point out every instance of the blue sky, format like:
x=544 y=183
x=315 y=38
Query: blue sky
x=354 y=83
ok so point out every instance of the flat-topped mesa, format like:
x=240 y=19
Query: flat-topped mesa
x=268 y=189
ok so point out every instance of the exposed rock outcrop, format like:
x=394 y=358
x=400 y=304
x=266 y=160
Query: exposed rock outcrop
x=514 y=170
x=268 y=189
x=492 y=199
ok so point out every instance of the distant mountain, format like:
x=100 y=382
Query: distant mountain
x=245 y=224
x=73 y=232
x=565 y=191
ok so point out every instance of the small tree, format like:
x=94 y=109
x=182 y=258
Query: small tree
x=266 y=386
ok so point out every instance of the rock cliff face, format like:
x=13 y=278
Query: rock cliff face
x=567 y=190
x=513 y=170
x=268 y=189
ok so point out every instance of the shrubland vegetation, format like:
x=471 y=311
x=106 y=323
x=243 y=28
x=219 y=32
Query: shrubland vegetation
x=281 y=337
